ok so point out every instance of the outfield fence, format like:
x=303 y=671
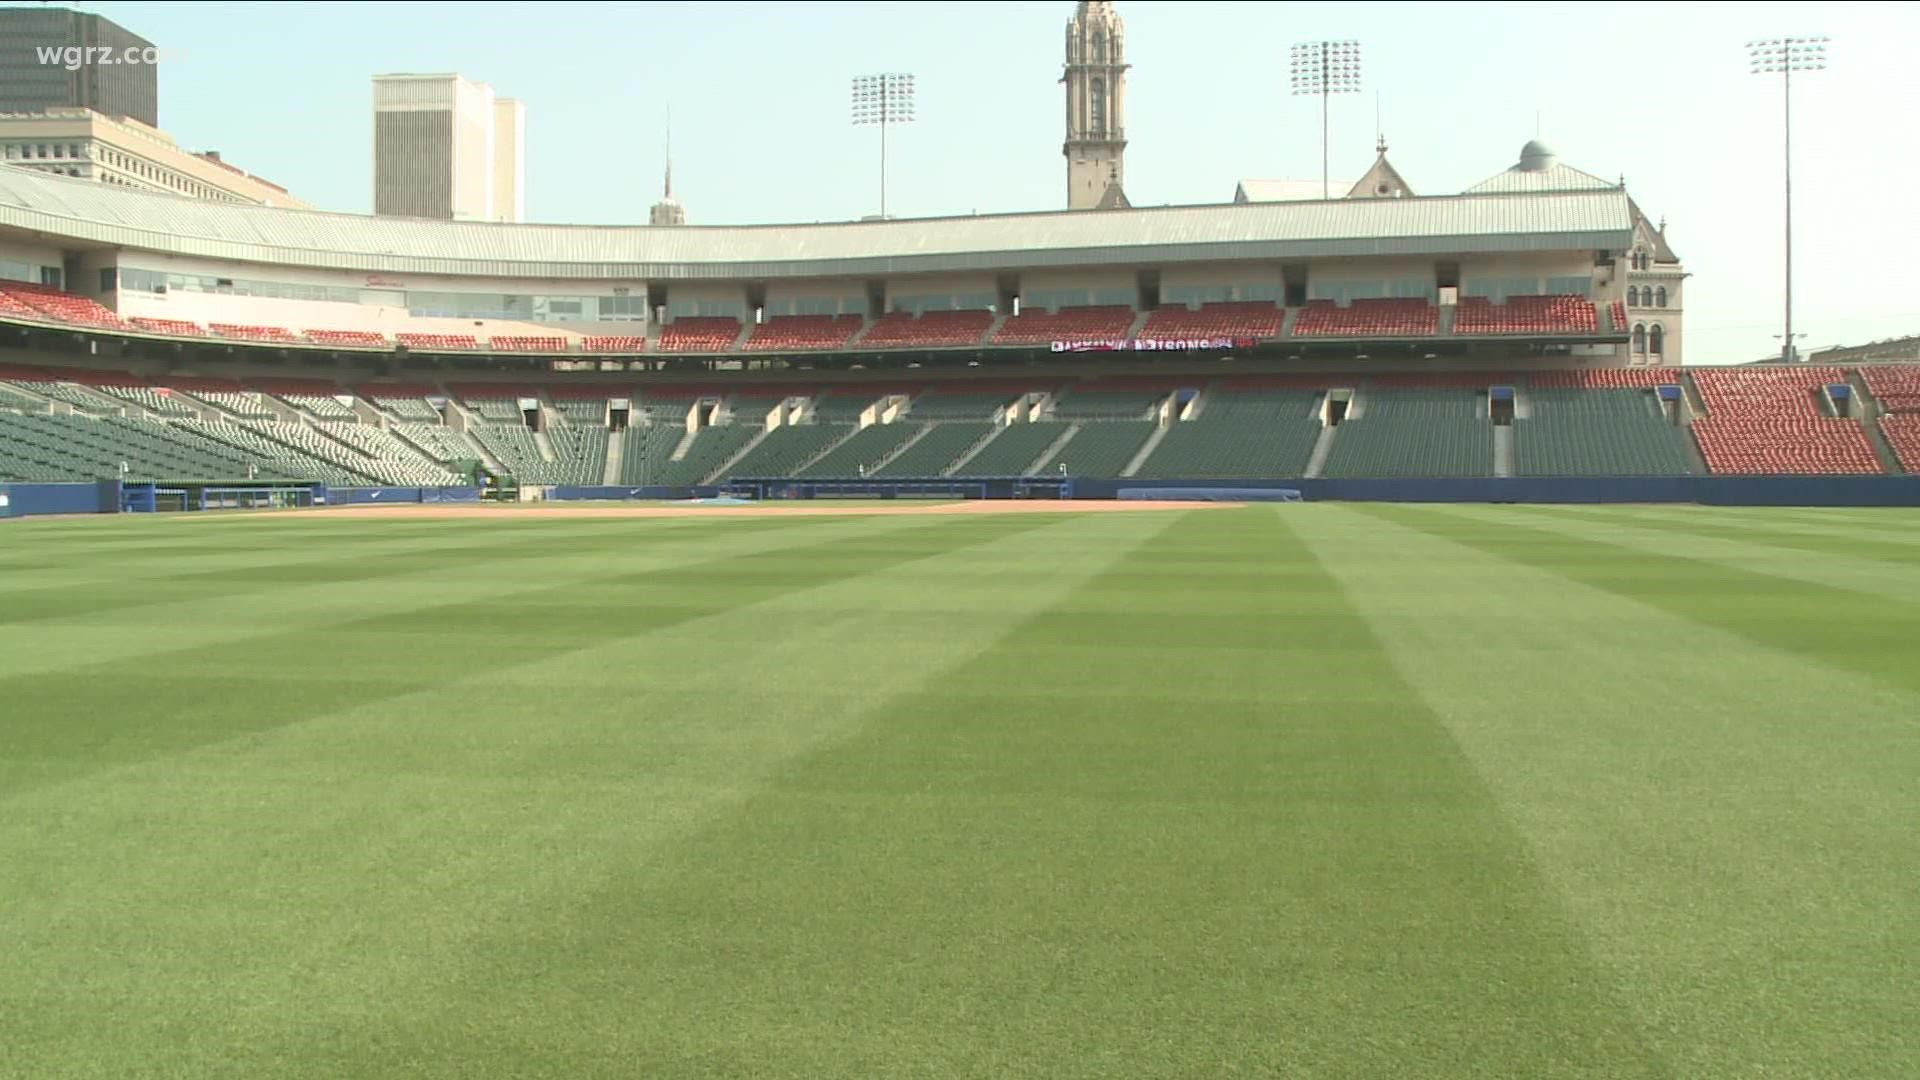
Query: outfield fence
x=19 y=500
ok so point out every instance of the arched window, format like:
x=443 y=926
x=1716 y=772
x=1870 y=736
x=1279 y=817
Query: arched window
x=1658 y=339
x=1660 y=297
x=1099 y=107
x=1640 y=338
x=1100 y=48
x=1633 y=296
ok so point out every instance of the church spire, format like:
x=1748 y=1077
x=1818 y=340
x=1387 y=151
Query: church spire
x=668 y=210
x=1095 y=76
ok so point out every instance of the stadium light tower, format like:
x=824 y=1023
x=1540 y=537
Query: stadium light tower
x=1325 y=68
x=1784 y=56
x=883 y=99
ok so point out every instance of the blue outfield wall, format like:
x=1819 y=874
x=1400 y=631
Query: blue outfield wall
x=28 y=500
x=615 y=492
x=1706 y=490
x=375 y=495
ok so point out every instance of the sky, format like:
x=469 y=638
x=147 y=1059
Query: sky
x=1658 y=94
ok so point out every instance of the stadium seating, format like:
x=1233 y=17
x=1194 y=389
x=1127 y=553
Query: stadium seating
x=699 y=334
x=590 y=411
x=72 y=394
x=786 y=449
x=11 y=398
x=390 y=459
x=159 y=402
x=1902 y=432
x=966 y=401
x=1240 y=321
x=254 y=333
x=404 y=403
x=354 y=339
x=862 y=452
x=496 y=410
x=1596 y=433
x=11 y=305
x=175 y=327
x=1897 y=389
x=246 y=405
x=1604 y=379
x=1088 y=324
x=50 y=303
x=56 y=448
x=931 y=330
x=1099 y=448
x=1012 y=452
x=1402 y=433
x=938 y=449
x=1619 y=316
x=1076 y=403
x=436 y=442
x=1367 y=318
x=711 y=448
x=1770 y=421
x=645 y=449
x=295 y=450
x=612 y=343
x=580 y=454
x=437 y=342
x=1240 y=433
x=845 y=405
x=323 y=406
x=1526 y=315
x=522 y=343
x=803 y=332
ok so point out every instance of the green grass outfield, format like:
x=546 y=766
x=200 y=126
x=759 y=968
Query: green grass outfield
x=1304 y=791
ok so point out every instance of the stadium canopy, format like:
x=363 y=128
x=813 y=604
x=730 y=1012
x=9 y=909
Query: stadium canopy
x=97 y=215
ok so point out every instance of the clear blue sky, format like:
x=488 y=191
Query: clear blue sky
x=1657 y=92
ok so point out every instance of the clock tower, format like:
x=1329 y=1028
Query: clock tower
x=1096 y=82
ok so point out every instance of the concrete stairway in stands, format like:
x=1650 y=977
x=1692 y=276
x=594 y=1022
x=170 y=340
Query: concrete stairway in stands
x=616 y=456
x=1146 y=450
x=1321 y=448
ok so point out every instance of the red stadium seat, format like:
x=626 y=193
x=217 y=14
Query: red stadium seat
x=438 y=342
x=1769 y=421
x=1367 y=318
x=613 y=343
x=175 y=327
x=804 y=332
x=1526 y=315
x=523 y=343
x=254 y=333
x=360 y=339
x=930 y=330
x=1084 y=324
x=63 y=307
x=1605 y=379
x=1240 y=321
x=707 y=333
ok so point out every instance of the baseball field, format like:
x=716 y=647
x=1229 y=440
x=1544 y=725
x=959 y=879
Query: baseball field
x=1307 y=791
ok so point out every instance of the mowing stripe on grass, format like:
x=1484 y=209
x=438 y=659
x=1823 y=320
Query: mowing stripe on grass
x=1731 y=825
x=93 y=715
x=1870 y=633
x=1829 y=540
x=361 y=585
x=1052 y=861
x=379 y=889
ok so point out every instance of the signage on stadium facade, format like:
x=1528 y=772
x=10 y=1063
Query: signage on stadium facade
x=1153 y=344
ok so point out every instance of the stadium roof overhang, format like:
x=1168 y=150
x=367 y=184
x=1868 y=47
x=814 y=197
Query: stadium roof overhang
x=89 y=214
